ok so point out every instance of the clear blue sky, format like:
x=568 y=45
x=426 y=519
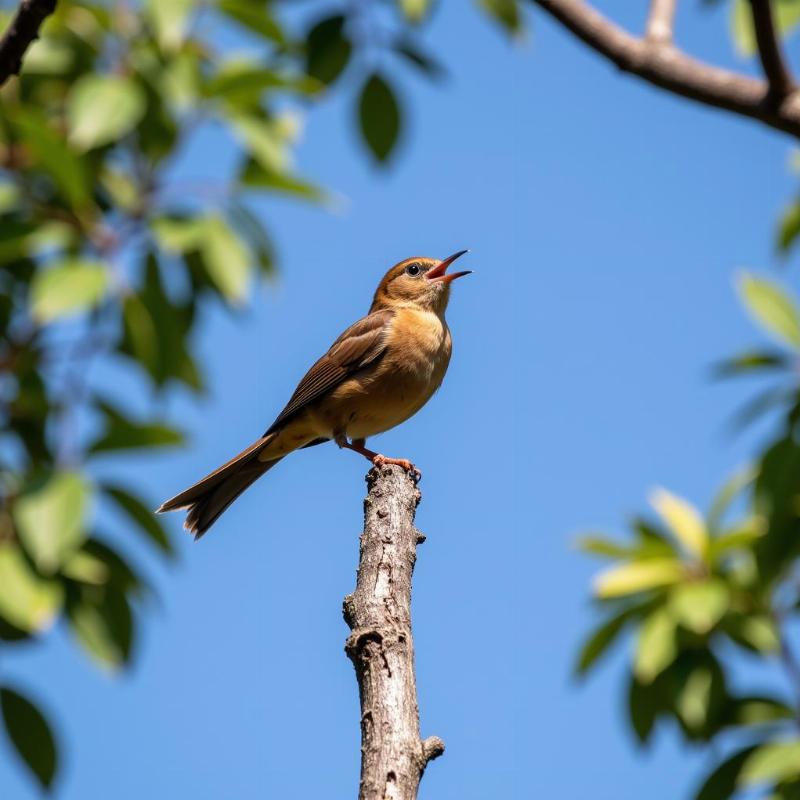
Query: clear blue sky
x=605 y=221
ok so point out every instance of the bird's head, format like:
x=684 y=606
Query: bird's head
x=421 y=282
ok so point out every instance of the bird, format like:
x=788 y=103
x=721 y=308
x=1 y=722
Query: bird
x=378 y=373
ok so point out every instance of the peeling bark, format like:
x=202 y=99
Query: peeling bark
x=381 y=647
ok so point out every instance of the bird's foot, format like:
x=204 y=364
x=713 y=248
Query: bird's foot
x=379 y=460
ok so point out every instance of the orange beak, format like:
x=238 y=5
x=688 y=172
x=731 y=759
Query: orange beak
x=437 y=274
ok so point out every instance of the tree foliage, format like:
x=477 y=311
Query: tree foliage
x=108 y=258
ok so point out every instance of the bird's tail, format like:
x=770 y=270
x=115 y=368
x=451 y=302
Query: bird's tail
x=209 y=497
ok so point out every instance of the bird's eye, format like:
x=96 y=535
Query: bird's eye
x=413 y=270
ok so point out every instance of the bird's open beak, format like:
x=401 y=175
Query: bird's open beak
x=437 y=274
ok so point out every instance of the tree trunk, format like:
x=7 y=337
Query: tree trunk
x=393 y=757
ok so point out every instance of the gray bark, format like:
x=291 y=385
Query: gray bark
x=381 y=647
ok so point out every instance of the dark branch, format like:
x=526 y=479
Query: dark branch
x=769 y=51
x=667 y=67
x=19 y=35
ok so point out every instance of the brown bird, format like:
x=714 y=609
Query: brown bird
x=377 y=374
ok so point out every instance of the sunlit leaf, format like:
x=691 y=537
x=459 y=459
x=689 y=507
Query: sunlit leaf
x=414 y=10
x=683 y=520
x=505 y=12
x=226 y=259
x=66 y=288
x=699 y=605
x=26 y=600
x=122 y=433
x=759 y=711
x=772 y=763
x=263 y=141
x=638 y=576
x=733 y=488
x=170 y=19
x=656 y=647
x=755 y=632
x=50 y=518
x=602 y=639
x=85 y=568
x=253 y=15
x=102 y=109
x=771 y=307
x=379 y=116
x=694 y=701
x=30 y=734
x=786 y=14
x=606 y=548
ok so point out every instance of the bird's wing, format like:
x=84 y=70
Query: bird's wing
x=361 y=344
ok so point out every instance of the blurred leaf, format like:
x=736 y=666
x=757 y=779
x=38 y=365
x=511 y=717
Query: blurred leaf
x=120 y=573
x=698 y=606
x=786 y=14
x=733 y=487
x=102 y=109
x=240 y=83
x=254 y=232
x=643 y=708
x=422 y=60
x=758 y=711
x=602 y=638
x=694 y=701
x=415 y=10
x=758 y=406
x=178 y=234
x=789 y=227
x=170 y=20
x=740 y=537
x=26 y=600
x=253 y=15
x=226 y=259
x=263 y=141
x=254 y=176
x=145 y=519
x=85 y=568
x=656 y=647
x=722 y=783
x=379 y=116
x=606 y=548
x=122 y=433
x=52 y=155
x=30 y=734
x=505 y=12
x=638 y=576
x=683 y=520
x=771 y=307
x=327 y=49
x=101 y=620
x=50 y=519
x=754 y=632
x=66 y=288
x=750 y=362
x=771 y=763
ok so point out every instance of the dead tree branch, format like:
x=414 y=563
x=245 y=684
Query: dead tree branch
x=19 y=35
x=381 y=647
x=666 y=66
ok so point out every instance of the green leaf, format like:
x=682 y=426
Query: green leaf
x=638 y=576
x=700 y=605
x=601 y=640
x=327 y=49
x=141 y=515
x=101 y=619
x=122 y=433
x=748 y=363
x=30 y=734
x=178 y=234
x=379 y=117
x=505 y=12
x=253 y=15
x=694 y=701
x=758 y=711
x=85 y=568
x=67 y=288
x=26 y=600
x=226 y=259
x=170 y=20
x=263 y=141
x=733 y=487
x=740 y=537
x=643 y=708
x=786 y=14
x=52 y=155
x=771 y=307
x=789 y=227
x=754 y=632
x=419 y=58
x=721 y=784
x=683 y=520
x=254 y=176
x=656 y=647
x=102 y=109
x=606 y=548
x=415 y=10
x=50 y=519
x=772 y=763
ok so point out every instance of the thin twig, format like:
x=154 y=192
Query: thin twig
x=671 y=69
x=660 y=21
x=773 y=62
x=19 y=35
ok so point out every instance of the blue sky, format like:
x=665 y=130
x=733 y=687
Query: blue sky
x=606 y=221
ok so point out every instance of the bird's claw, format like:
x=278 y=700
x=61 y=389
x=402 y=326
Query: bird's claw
x=380 y=460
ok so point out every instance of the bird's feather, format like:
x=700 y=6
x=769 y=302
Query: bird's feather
x=360 y=345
